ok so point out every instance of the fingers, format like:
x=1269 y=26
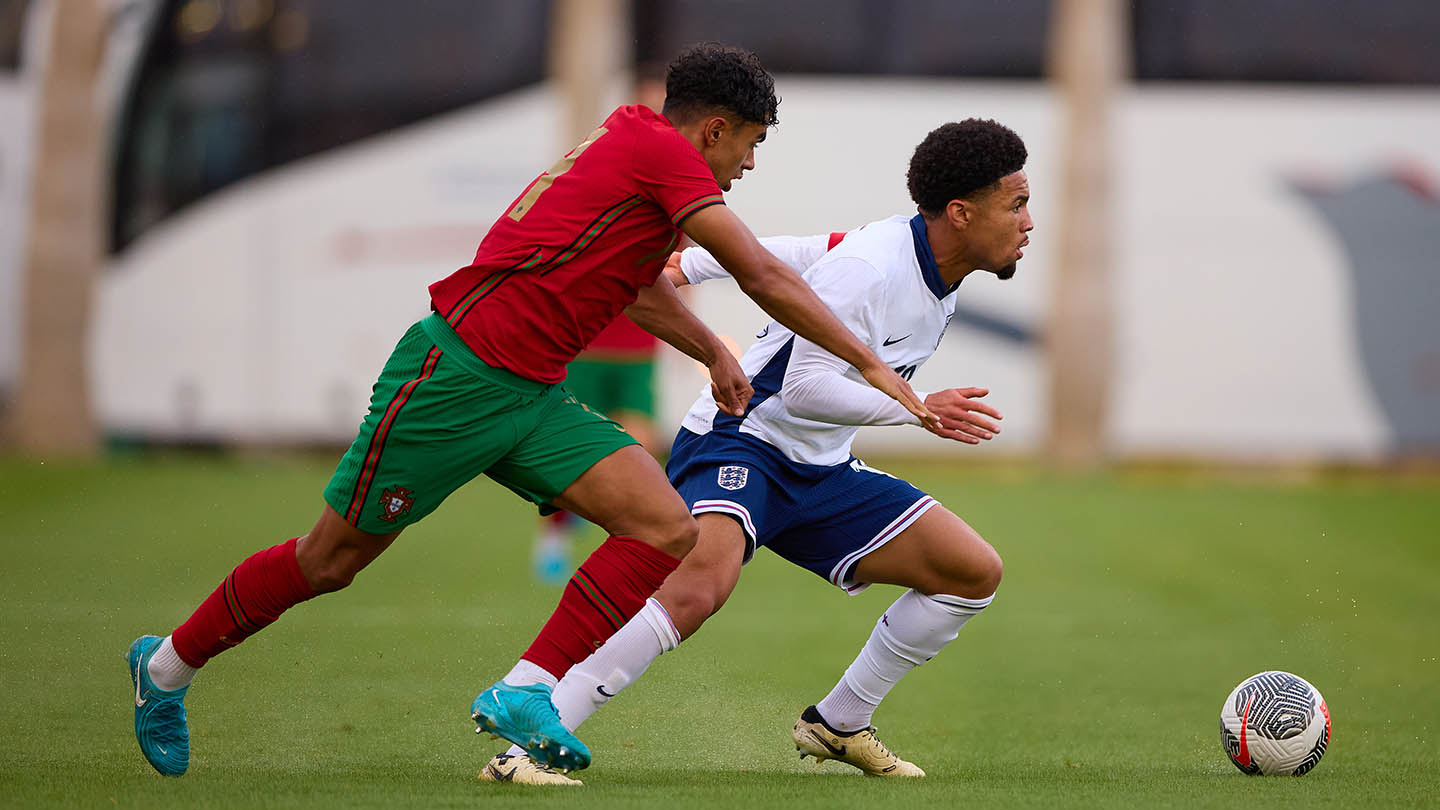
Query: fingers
x=732 y=399
x=954 y=435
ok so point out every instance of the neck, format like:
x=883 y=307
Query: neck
x=949 y=250
x=694 y=132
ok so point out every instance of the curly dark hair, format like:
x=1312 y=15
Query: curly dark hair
x=710 y=76
x=955 y=160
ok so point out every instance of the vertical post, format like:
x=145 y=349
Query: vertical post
x=53 y=413
x=589 y=47
x=1088 y=57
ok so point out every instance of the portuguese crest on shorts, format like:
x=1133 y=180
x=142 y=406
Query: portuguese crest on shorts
x=395 y=503
x=733 y=476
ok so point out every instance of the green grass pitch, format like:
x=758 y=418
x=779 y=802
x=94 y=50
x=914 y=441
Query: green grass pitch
x=1131 y=605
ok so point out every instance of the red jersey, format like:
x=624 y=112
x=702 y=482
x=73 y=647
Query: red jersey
x=622 y=339
x=574 y=249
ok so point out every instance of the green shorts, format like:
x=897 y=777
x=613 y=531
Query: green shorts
x=439 y=417
x=611 y=386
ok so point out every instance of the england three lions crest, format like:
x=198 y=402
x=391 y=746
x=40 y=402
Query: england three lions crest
x=733 y=477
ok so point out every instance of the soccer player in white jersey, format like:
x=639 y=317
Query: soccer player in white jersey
x=782 y=476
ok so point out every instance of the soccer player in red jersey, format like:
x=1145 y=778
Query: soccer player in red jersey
x=474 y=388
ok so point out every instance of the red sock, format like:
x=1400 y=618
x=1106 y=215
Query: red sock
x=249 y=600
x=609 y=587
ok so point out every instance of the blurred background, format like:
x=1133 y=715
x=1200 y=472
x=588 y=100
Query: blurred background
x=217 y=216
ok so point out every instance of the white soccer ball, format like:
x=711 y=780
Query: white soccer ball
x=1275 y=723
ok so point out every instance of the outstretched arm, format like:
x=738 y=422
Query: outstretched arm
x=659 y=311
x=696 y=265
x=786 y=297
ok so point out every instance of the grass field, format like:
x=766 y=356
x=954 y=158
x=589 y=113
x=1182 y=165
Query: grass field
x=1132 y=604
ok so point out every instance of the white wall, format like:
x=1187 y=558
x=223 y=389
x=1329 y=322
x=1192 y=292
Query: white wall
x=266 y=311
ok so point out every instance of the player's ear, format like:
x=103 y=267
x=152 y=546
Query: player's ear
x=715 y=128
x=958 y=212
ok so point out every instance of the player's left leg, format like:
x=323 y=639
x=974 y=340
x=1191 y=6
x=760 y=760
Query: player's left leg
x=578 y=460
x=952 y=574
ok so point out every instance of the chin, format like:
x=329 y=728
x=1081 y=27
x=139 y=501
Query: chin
x=1006 y=273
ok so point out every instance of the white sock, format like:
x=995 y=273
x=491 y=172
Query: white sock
x=616 y=665
x=525 y=673
x=167 y=670
x=911 y=632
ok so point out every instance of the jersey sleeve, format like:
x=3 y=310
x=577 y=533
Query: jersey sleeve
x=797 y=251
x=815 y=386
x=672 y=174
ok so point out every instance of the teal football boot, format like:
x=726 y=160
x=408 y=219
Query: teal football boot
x=524 y=715
x=159 y=715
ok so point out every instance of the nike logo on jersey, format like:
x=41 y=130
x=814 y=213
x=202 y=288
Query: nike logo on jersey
x=893 y=341
x=601 y=690
x=763 y=332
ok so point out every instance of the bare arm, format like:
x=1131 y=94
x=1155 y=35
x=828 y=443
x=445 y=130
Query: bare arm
x=659 y=311
x=785 y=296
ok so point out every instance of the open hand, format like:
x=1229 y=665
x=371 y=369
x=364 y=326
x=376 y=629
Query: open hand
x=962 y=416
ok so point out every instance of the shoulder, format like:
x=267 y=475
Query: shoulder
x=877 y=248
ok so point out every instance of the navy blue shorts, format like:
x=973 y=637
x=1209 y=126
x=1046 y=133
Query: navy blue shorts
x=821 y=518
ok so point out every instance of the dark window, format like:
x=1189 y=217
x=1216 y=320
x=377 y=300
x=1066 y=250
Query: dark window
x=12 y=30
x=1383 y=41
x=228 y=88
x=1002 y=38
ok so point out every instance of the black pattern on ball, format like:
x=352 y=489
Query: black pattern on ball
x=1281 y=705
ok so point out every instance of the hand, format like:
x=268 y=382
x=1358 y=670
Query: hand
x=728 y=383
x=673 y=272
x=962 y=415
x=884 y=378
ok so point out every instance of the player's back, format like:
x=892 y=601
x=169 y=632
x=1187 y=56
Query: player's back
x=574 y=248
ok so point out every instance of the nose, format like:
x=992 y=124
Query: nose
x=749 y=160
x=1027 y=224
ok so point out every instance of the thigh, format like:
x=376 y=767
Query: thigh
x=856 y=511
x=432 y=426
x=564 y=442
x=937 y=554
x=626 y=494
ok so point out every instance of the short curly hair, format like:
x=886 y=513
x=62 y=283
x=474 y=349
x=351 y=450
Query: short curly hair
x=955 y=160
x=709 y=76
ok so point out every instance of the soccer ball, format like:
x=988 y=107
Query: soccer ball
x=1275 y=723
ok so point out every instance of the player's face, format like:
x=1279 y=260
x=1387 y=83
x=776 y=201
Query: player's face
x=731 y=150
x=1000 y=224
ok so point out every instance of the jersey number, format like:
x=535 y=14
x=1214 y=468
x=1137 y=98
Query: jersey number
x=906 y=372
x=561 y=166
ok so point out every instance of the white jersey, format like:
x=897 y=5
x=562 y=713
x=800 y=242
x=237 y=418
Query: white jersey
x=881 y=281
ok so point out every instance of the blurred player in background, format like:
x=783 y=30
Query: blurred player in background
x=615 y=375
x=473 y=388
x=782 y=475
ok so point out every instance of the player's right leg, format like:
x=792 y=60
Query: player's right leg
x=394 y=474
x=251 y=598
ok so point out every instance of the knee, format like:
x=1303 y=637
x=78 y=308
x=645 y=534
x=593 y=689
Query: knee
x=979 y=578
x=330 y=575
x=676 y=534
x=327 y=568
x=691 y=606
